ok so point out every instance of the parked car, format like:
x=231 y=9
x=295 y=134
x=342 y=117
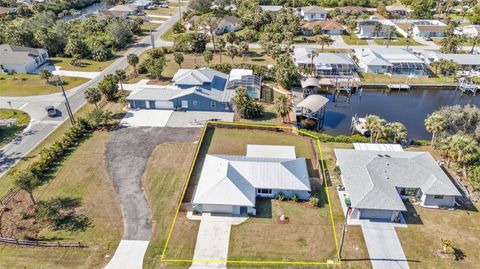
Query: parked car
x=428 y=38
x=51 y=111
x=162 y=5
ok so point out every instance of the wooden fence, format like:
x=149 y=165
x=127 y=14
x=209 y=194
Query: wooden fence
x=8 y=196
x=36 y=243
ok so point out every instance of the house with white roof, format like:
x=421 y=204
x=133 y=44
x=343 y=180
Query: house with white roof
x=394 y=61
x=203 y=89
x=312 y=13
x=367 y=29
x=429 y=28
x=230 y=184
x=324 y=64
x=22 y=60
x=471 y=30
x=377 y=182
x=468 y=62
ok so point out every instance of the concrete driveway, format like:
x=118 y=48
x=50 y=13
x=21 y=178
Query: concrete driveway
x=146 y=118
x=383 y=246
x=129 y=255
x=197 y=118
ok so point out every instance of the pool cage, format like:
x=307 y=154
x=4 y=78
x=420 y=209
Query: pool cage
x=408 y=68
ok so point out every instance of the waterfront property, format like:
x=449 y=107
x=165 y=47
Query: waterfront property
x=468 y=62
x=324 y=64
x=328 y=27
x=312 y=13
x=394 y=61
x=377 y=182
x=367 y=29
x=428 y=28
x=22 y=60
x=230 y=184
x=203 y=89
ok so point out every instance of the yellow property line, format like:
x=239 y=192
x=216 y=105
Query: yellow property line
x=338 y=262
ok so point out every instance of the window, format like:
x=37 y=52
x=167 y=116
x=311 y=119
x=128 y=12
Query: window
x=264 y=191
x=214 y=104
x=438 y=197
x=195 y=102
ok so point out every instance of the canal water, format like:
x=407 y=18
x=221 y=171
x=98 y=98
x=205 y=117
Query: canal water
x=410 y=108
x=84 y=11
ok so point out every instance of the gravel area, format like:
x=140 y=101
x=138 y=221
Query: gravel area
x=127 y=154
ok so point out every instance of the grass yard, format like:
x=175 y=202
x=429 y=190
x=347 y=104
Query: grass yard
x=27 y=85
x=399 y=41
x=162 y=11
x=354 y=40
x=89 y=65
x=10 y=132
x=368 y=78
x=82 y=176
x=459 y=226
x=163 y=180
x=269 y=117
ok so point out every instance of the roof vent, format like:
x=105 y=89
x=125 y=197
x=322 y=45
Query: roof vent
x=386 y=155
x=380 y=155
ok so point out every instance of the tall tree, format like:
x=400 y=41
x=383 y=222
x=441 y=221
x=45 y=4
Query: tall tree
x=93 y=96
x=462 y=149
x=317 y=29
x=108 y=86
x=232 y=52
x=325 y=40
x=46 y=75
x=133 y=60
x=120 y=76
x=399 y=131
x=376 y=126
x=178 y=58
x=283 y=106
x=27 y=181
x=208 y=57
x=435 y=124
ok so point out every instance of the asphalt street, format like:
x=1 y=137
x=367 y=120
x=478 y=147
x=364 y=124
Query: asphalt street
x=41 y=125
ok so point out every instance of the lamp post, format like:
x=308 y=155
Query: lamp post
x=67 y=104
x=13 y=110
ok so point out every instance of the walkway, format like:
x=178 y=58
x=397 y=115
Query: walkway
x=383 y=246
x=211 y=249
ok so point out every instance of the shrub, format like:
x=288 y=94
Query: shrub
x=314 y=201
x=295 y=197
x=281 y=196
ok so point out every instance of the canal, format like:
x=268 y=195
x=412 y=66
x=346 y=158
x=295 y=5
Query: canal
x=410 y=108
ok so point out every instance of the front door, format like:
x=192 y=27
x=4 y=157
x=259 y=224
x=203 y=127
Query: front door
x=184 y=103
x=243 y=210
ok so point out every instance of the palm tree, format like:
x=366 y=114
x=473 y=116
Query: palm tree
x=45 y=74
x=462 y=149
x=93 y=96
x=398 y=130
x=133 y=60
x=391 y=30
x=474 y=43
x=325 y=40
x=283 y=106
x=28 y=182
x=312 y=56
x=178 y=58
x=377 y=28
x=232 y=52
x=221 y=45
x=435 y=123
x=120 y=76
x=351 y=26
x=208 y=57
x=317 y=29
x=376 y=126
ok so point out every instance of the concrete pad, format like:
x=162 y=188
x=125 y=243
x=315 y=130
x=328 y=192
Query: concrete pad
x=197 y=118
x=129 y=255
x=383 y=246
x=146 y=118
x=211 y=249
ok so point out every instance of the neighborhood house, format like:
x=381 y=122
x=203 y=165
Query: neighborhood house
x=377 y=182
x=230 y=184
x=372 y=29
x=312 y=13
x=394 y=61
x=22 y=60
x=428 y=29
x=328 y=27
x=324 y=64
x=202 y=89
x=468 y=62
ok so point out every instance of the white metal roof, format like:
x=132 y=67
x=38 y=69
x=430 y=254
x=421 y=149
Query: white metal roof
x=233 y=179
x=239 y=73
x=377 y=147
x=313 y=102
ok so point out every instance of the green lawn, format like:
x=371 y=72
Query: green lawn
x=162 y=11
x=399 y=41
x=27 y=85
x=163 y=180
x=269 y=117
x=368 y=78
x=90 y=65
x=82 y=176
x=9 y=133
x=354 y=40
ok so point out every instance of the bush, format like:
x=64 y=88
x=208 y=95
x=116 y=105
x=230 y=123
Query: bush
x=325 y=138
x=281 y=196
x=314 y=201
x=295 y=197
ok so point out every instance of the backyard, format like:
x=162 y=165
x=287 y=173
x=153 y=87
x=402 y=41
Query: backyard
x=370 y=78
x=19 y=121
x=354 y=40
x=83 y=181
x=26 y=85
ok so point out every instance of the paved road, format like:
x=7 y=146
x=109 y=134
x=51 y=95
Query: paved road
x=383 y=246
x=126 y=157
x=41 y=126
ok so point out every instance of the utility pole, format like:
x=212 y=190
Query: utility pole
x=152 y=40
x=67 y=104
x=180 y=9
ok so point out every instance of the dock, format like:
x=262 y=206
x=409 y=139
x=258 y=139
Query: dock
x=466 y=86
x=399 y=87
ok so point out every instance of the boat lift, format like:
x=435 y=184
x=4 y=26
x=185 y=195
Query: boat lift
x=312 y=107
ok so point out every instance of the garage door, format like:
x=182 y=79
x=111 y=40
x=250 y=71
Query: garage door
x=218 y=209
x=163 y=105
x=140 y=104
x=376 y=214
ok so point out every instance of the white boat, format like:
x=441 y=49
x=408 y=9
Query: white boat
x=358 y=125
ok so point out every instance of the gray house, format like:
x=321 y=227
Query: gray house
x=230 y=184
x=378 y=181
x=22 y=60
x=202 y=89
x=324 y=64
